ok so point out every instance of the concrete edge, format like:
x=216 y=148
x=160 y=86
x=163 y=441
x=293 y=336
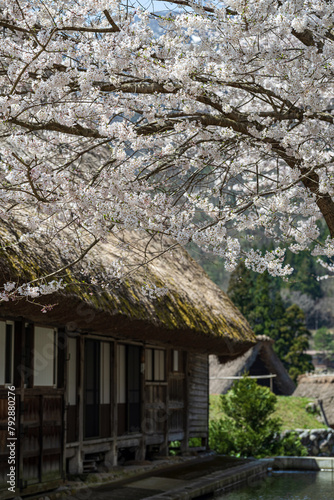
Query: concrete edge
x=217 y=481
x=68 y=489
x=303 y=463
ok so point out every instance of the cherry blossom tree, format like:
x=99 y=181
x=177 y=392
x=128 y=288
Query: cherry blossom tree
x=203 y=122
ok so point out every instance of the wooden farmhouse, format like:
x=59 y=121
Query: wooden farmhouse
x=321 y=360
x=111 y=372
x=321 y=388
x=259 y=361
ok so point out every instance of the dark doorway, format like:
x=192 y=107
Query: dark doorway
x=92 y=388
x=133 y=388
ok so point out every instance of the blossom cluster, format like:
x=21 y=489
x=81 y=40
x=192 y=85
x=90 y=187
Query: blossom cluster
x=153 y=291
x=203 y=123
x=14 y=291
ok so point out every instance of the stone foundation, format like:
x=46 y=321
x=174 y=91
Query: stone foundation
x=319 y=442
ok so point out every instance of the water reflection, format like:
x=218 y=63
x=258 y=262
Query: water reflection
x=287 y=486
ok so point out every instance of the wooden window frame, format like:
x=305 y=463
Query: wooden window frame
x=55 y=358
x=174 y=352
x=8 y=366
x=151 y=351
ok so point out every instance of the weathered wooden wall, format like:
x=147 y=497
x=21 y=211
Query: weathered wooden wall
x=147 y=396
x=198 y=398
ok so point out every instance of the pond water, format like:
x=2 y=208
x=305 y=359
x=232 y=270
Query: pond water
x=287 y=486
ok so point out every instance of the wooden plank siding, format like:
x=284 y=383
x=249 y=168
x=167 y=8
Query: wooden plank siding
x=146 y=396
x=41 y=443
x=38 y=378
x=198 y=369
x=176 y=402
x=72 y=369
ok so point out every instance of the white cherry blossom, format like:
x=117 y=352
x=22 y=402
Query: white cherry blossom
x=199 y=123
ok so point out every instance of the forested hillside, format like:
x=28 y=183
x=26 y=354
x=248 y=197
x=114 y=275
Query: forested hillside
x=304 y=288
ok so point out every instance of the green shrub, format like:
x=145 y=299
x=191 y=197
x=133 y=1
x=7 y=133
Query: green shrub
x=291 y=446
x=247 y=428
x=174 y=448
x=194 y=442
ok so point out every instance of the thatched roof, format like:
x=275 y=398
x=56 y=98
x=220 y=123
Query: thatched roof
x=194 y=313
x=261 y=357
x=318 y=387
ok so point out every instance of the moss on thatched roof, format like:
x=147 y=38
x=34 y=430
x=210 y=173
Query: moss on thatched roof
x=194 y=313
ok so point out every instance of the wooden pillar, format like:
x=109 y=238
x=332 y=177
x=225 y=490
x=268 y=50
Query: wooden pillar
x=185 y=442
x=19 y=374
x=81 y=403
x=62 y=354
x=19 y=358
x=165 y=447
x=109 y=457
x=141 y=452
x=41 y=429
x=29 y=341
x=114 y=403
x=205 y=440
x=113 y=406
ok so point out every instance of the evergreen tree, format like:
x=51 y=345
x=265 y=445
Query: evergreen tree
x=260 y=316
x=248 y=428
x=293 y=341
x=258 y=298
x=304 y=278
x=278 y=313
x=240 y=289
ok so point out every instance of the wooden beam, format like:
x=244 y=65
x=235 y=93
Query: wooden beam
x=142 y=447
x=81 y=363
x=186 y=367
x=40 y=458
x=205 y=440
x=20 y=338
x=62 y=381
x=114 y=408
x=167 y=418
